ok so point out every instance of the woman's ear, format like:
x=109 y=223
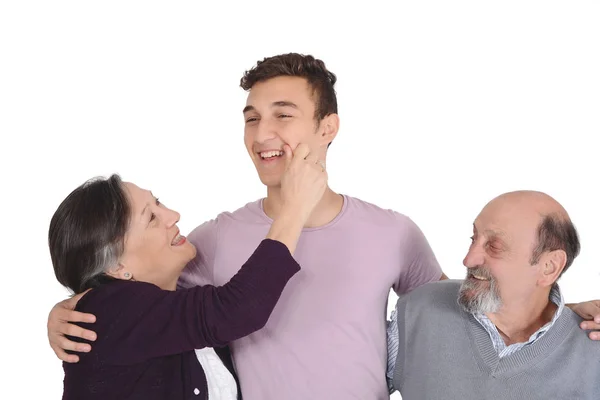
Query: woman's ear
x=120 y=272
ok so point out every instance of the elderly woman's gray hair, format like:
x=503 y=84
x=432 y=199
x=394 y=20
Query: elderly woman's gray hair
x=87 y=233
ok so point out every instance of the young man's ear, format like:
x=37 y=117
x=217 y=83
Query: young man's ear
x=329 y=129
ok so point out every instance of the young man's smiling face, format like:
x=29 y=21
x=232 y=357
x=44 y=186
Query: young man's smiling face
x=281 y=111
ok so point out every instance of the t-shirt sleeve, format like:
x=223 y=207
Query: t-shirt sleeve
x=418 y=264
x=199 y=270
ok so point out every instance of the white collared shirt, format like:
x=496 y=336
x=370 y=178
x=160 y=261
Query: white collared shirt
x=501 y=348
x=221 y=384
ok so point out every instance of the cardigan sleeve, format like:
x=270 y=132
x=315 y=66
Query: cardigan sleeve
x=150 y=322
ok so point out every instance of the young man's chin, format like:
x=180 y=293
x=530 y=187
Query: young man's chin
x=270 y=181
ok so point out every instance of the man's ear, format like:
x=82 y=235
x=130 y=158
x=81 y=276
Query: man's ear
x=552 y=265
x=329 y=127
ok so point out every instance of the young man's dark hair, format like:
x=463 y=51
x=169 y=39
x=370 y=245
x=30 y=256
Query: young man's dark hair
x=320 y=79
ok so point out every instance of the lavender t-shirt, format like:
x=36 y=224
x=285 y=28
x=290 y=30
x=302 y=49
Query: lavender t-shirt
x=326 y=338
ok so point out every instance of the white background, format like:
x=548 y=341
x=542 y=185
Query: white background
x=443 y=106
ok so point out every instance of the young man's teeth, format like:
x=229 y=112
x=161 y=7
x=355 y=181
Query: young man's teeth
x=269 y=154
x=176 y=240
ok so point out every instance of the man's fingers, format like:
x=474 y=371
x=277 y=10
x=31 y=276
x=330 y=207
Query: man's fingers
x=70 y=358
x=78 y=297
x=72 y=302
x=77 y=331
x=76 y=316
x=594 y=335
x=66 y=344
x=63 y=356
x=590 y=326
x=588 y=310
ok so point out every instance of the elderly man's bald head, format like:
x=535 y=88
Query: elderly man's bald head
x=544 y=217
x=532 y=202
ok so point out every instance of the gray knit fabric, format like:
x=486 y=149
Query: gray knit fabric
x=445 y=353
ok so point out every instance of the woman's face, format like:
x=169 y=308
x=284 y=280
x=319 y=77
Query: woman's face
x=154 y=250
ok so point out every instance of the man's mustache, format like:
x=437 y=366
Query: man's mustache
x=481 y=272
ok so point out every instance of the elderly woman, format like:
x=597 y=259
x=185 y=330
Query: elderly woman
x=120 y=241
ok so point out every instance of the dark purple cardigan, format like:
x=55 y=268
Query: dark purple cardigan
x=146 y=335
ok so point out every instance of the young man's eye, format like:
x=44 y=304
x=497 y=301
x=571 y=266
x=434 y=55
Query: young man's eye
x=251 y=119
x=284 y=116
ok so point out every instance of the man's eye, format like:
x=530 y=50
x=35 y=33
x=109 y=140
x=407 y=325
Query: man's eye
x=494 y=247
x=251 y=119
x=284 y=116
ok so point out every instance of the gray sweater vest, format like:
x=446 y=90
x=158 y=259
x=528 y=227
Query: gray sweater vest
x=445 y=353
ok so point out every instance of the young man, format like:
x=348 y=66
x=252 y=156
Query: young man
x=507 y=334
x=326 y=338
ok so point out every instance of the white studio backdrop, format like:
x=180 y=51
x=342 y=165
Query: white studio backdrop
x=443 y=106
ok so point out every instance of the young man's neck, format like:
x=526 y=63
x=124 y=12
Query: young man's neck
x=517 y=321
x=328 y=208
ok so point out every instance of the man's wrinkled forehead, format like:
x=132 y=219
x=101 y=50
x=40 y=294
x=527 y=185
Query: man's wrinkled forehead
x=488 y=230
x=508 y=221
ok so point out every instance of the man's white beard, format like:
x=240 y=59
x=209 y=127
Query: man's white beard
x=480 y=301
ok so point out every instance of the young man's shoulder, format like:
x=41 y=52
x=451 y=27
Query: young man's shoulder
x=368 y=217
x=364 y=209
x=250 y=212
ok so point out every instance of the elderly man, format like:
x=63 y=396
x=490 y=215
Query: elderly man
x=503 y=332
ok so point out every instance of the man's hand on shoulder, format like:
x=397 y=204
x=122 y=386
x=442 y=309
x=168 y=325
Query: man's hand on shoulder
x=60 y=324
x=590 y=311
